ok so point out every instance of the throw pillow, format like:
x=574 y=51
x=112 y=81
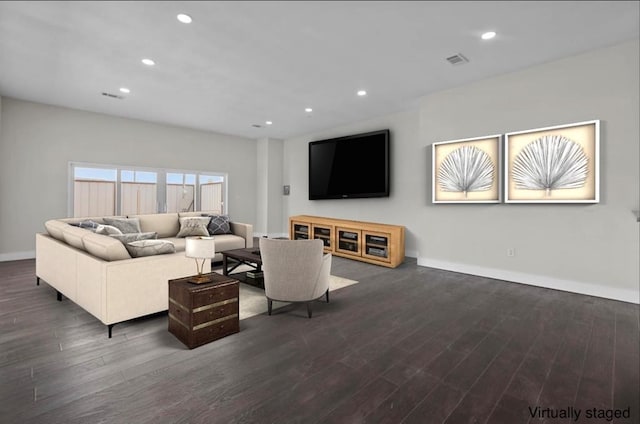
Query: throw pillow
x=219 y=224
x=128 y=238
x=88 y=224
x=149 y=248
x=193 y=226
x=126 y=225
x=107 y=230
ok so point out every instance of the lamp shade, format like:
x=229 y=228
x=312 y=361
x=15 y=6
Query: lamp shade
x=200 y=247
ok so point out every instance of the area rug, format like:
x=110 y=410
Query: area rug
x=253 y=302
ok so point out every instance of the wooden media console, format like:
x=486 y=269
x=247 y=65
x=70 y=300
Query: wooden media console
x=380 y=244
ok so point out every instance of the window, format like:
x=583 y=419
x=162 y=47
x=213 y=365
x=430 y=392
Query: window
x=181 y=190
x=98 y=190
x=212 y=193
x=94 y=191
x=138 y=192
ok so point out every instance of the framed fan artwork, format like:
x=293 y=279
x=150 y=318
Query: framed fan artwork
x=467 y=170
x=553 y=165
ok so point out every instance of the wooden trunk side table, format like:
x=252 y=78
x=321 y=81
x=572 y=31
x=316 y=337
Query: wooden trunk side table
x=201 y=313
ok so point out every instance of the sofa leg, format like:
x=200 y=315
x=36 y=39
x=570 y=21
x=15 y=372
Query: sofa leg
x=309 y=309
x=110 y=328
x=37 y=281
x=327 y=294
x=269 y=304
x=58 y=296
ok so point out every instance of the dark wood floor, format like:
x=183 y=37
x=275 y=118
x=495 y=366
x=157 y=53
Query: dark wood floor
x=409 y=345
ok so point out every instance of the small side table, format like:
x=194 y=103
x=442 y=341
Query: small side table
x=201 y=313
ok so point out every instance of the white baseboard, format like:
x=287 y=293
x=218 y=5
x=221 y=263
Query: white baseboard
x=17 y=256
x=630 y=296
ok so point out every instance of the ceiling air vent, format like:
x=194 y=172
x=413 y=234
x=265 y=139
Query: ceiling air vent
x=113 y=96
x=256 y=125
x=457 y=59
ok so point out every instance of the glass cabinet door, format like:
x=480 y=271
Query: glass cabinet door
x=324 y=233
x=348 y=241
x=376 y=245
x=299 y=231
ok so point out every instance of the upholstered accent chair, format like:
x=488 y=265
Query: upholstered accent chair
x=295 y=271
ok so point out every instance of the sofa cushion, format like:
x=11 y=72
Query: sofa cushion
x=219 y=224
x=128 y=238
x=179 y=243
x=54 y=228
x=76 y=220
x=193 y=226
x=87 y=224
x=192 y=214
x=228 y=242
x=149 y=248
x=73 y=236
x=105 y=247
x=126 y=225
x=165 y=224
x=107 y=230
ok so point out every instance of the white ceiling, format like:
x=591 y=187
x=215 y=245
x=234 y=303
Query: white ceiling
x=243 y=63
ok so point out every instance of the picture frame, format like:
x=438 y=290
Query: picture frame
x=467 y=170
x=558 y=164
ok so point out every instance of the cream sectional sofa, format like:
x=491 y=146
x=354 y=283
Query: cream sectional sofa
x=97 y=273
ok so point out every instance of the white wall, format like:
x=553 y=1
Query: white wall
x=407 y=189
x=591 y=249
x=274 y=178
x=37 y=142
x=262 y=186
x=269 y=188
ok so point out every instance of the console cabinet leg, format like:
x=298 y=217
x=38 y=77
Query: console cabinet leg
x=269 y=304
x=110 y=328
x=37 y=281
x=327 y=294
x=58 y=296
x=309 y=309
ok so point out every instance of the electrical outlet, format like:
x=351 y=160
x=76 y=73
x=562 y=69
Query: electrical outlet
x=511 y=252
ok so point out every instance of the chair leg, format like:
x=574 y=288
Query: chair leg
x=269 y=302
x=309 y=309
x=327 y=294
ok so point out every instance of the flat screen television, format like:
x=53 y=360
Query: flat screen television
x=353 y=166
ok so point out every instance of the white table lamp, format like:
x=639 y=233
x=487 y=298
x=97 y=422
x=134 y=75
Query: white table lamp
x=200 y=248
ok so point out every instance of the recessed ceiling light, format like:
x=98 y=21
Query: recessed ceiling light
x=125 y=90
x=488 y=35
x=185 y=19
x=362 y=93
x=308 y=109
x=268 y=122
x=148 y=62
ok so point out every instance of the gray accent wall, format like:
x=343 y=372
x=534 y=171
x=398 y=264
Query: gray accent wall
x=586 y=248
x=38 y=141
